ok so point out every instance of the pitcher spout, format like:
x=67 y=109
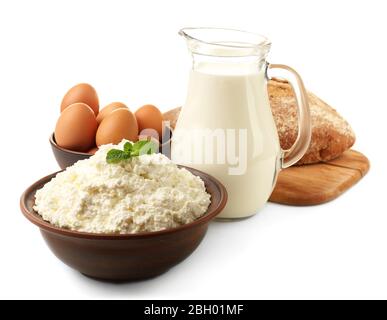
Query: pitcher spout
x=222 y=42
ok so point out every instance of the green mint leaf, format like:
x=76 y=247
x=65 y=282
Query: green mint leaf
x=144 y=147
x=115 y=156
x=139 y=144
x=153 y=147
x=131 y=150
x=128 y=147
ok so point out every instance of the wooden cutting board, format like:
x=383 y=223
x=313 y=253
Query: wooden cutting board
x=315 y=183
x=322 y=182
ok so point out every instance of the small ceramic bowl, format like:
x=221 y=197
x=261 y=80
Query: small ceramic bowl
x=127 y=257
x=65 y=157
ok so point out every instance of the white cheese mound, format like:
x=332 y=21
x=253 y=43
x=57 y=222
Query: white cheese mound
x=145 y=193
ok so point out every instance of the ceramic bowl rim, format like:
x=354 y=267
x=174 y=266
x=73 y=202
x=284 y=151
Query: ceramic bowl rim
x=56 y=146
x=46 y=226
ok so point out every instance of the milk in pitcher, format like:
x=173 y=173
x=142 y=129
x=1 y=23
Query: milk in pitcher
x=226 y=129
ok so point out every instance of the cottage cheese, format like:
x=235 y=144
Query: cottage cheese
x=146 y=193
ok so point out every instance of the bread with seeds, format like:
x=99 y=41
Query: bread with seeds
x=331 y=133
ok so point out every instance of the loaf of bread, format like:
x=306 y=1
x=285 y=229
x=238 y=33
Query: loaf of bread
x=331 y=133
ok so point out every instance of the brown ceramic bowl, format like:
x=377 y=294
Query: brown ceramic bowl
x=65 y=157
x=125 y=257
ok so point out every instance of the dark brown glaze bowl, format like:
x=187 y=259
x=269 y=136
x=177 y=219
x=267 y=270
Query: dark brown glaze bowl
x=116 y=257
x=66 y=158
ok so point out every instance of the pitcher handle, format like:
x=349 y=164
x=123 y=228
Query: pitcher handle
x=301 y=145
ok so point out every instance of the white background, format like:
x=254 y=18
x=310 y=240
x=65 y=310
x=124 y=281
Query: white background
x=130 y=51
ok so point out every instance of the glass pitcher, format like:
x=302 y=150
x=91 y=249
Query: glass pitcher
x=226 y=127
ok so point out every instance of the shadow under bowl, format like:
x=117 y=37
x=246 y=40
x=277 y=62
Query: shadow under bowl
x=125 y=257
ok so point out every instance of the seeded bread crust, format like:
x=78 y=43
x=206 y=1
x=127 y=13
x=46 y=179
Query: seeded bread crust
x=331 y=133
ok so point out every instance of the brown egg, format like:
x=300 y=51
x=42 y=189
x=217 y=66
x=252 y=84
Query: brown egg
x=118 y=125
x=149 y=117
x=93 y=150
x=108 y=109
x=84 y=93
x=76 y=128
